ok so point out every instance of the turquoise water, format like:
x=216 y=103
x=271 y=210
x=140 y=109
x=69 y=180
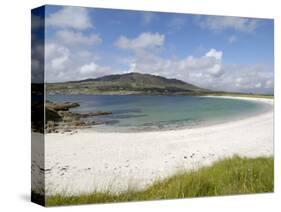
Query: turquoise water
x=144 y=113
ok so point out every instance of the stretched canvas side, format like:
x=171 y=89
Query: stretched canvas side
x=37 y=106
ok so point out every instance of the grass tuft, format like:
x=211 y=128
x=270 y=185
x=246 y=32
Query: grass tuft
x=230 y=176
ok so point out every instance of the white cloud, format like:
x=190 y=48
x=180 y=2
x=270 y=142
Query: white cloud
x=145 y=40
x=219 y=23
x=146 y=62
x=215 y=70
x=207 y=71
x=70 y=17
x=88 y=68
x=72 y=38
x=245 y=78
x=68 y=52
x=132 y=67
x=58 y=62
x=258 y=85
x=214 y=53
x=64 y=63
x=56 y=56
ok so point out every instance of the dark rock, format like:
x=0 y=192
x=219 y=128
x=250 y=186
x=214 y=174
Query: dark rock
x=99 y=113
x=61 y=106
x=52 y=115
x=60 y=119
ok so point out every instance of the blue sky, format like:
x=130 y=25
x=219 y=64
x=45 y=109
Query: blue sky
x=216 y=52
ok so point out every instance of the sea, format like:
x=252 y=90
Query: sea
x=136 y=113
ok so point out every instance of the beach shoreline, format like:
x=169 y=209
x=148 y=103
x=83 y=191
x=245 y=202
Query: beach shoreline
x=184 y=126
x=94 y=161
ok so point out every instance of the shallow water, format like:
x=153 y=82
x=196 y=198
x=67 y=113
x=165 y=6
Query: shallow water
x=145 y=113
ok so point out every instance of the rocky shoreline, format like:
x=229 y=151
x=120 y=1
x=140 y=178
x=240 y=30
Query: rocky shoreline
x=59 y=119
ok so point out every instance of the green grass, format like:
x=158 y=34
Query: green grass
x=229 y=176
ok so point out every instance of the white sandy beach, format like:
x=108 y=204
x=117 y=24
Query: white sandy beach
x=95 y=161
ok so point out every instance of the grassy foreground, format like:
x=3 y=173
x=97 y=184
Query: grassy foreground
x=229 y=176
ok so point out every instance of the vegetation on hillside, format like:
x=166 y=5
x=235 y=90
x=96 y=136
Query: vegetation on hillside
x=131 y=83
x=136 y=84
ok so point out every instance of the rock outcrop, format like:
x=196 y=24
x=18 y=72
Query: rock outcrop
x=59 y=119
x=61 y=106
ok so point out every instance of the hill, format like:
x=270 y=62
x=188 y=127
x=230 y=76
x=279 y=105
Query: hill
x=130 y=83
